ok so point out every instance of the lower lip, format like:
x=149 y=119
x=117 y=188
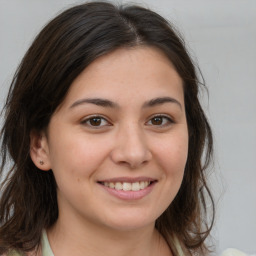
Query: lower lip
x=130 y=195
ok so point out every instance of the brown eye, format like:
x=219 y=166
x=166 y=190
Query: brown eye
x=96 y=121
x=158 y=120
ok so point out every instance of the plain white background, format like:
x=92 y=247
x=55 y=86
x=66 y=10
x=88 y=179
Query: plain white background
x=221 y=37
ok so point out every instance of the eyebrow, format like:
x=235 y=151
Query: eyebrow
x=110 y=104
x=96 y=101
x=160 y=101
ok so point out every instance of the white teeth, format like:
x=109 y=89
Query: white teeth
x=127 y=186
x=111 y=185
x=118 y=186
x=142 y=184
x=135 y=186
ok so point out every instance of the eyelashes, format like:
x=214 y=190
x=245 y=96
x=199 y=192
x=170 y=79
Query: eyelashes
x=97 y=121
x=160 y=120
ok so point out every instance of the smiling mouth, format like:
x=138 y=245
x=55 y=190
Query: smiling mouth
x=128 y=186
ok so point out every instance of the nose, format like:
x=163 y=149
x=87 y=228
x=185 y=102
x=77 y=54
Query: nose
x=131 y=148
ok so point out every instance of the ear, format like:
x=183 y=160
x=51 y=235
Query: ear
x=39 y=150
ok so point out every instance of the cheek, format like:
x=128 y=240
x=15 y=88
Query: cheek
x=78 y=155
x=173 y=153
x=172 y=158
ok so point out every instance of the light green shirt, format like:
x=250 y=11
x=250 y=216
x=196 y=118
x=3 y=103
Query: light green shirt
x=46 y=249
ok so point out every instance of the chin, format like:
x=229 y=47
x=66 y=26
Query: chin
x=133 y=226
x=130 y=221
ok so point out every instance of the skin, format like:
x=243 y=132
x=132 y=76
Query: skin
x=127 y=141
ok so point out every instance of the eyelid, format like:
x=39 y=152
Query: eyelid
x=88 y=118
x=168 y=117
x=84 y=121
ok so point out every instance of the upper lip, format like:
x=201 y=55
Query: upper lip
x=128 y=179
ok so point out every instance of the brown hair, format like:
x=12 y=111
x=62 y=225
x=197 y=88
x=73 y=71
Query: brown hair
x=61 y=51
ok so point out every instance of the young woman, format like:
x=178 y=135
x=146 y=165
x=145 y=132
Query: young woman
x=106 y=138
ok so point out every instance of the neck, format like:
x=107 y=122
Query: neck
x=72 y=238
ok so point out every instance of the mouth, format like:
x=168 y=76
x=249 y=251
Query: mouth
x=128 y=186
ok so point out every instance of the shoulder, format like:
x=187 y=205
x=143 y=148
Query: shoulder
x=234 y=252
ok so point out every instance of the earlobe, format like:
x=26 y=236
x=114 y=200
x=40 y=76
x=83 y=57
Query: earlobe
x=39 y=152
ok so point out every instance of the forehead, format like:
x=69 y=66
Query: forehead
x=128 y=73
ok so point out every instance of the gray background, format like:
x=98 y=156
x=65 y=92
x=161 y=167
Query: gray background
x=221 y=37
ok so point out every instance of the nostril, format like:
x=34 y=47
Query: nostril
x=129 y=152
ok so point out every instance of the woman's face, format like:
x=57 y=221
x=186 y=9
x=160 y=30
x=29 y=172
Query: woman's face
x=118 y=144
